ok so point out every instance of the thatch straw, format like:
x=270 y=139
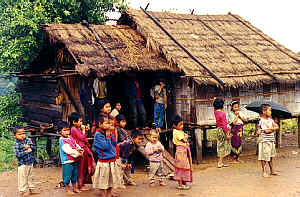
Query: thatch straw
x=238 y=53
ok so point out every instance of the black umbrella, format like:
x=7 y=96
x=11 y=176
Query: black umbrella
x=278 y=110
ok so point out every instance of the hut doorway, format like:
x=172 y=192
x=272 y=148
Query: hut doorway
x=116 y=93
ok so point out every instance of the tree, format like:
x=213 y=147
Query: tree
x=20 y=34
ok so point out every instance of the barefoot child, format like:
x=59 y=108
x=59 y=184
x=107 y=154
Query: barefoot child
x=86 y=165
x=104 y=143
x=154 y=150
x=24 y=151
x=127 y=149
x=266 y=145
x=183 y=159
x=236 y=121
x=223 y=134
x=70 y=153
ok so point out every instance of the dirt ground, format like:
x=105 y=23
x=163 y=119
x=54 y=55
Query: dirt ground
x=240 y=180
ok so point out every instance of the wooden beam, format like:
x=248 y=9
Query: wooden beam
x=198 y=146
x=184 y=49
x=298 y=131
x=278 y=136
x=66 y=89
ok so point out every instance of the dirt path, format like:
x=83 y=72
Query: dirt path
x=240 y=180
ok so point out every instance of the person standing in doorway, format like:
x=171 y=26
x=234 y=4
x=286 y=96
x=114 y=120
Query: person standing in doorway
x=160 y=104
x=133 y=91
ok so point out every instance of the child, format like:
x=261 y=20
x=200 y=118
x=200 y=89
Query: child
x=183 y=159
x=127 y=149
x=122 y=133
x=116 y=110
x=223 y=134
x=104 y=143
x=160 y=105
x=236 y=120
x=266 y=150
x=86 y=165
x=24 y=151
x=154 y=150
x=70 y=153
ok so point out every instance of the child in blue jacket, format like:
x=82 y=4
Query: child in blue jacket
x=105 y=177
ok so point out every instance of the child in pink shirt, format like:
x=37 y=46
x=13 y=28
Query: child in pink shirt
x=154 y=150
x=223 y=133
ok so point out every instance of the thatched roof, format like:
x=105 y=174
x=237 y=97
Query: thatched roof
x=125 y=44
x=235 y=51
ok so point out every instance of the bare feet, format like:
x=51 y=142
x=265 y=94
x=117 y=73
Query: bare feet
x=69 y=192
x=274 y=173
x=161 y=183
x=77 y=191
x=132 y=183
x=84 y=188
x=266 y=175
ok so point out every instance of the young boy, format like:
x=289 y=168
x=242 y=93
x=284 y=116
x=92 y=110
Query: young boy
x=116 y=110
x=127 y=149
x=122 y=133
x=154 y=150
x=160 y=105
x=24 y=151
x=70 y=153
x=266 y=145
x=105 y=177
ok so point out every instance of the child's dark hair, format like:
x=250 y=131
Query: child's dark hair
x=177 y=119
x=120 y=117
x=234 y=102
x=102 y=102
x=16 y=128
x=264 y=107
x=218 y=103
x=100 y=119
x=136 y=133
x=73 y=117
x=62 y=124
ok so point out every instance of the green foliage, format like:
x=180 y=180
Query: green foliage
x=7 y=158
x=10 y=113
x=20 y=33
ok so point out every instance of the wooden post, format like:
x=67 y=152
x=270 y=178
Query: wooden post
x=48 y=146
x=198 y=139
x=298 y=132
x=278 y=137
x=204 y=140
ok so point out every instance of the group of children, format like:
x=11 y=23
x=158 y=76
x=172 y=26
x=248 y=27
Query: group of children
x=114 y=147
x=230 y=129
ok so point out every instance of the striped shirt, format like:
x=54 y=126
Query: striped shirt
x=266 y=124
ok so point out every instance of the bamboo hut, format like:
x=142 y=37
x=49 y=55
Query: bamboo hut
x=203 y=56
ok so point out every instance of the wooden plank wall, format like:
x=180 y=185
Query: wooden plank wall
x=73 y=84
x=38 y=101
x=201 y=99
x=184 y=104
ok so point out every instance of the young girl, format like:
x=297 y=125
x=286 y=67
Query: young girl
x=266 y=129
x=183 y=159
x=86 y=165
x=236 y=120
x=104 y=143
x=223 y=134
